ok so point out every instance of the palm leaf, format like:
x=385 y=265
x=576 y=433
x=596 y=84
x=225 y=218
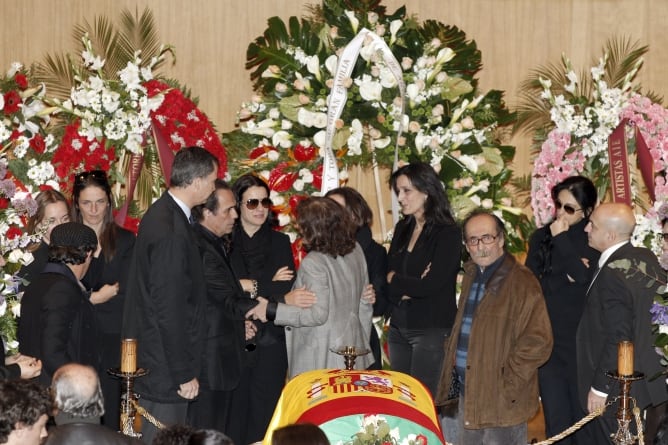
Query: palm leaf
x=57 y=74
x=140 y=33
x=103 y=37
x=622 y=58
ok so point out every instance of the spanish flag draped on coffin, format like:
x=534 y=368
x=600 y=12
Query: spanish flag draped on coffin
x=339 y=401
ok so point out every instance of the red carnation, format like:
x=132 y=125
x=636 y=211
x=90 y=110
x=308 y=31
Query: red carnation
x=21 y=80
x=45 y=187
x=4 y=203
x=37 y=143
x=14 y=232
x=12 y=102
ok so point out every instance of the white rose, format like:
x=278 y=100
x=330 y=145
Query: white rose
x=281 y=139
x=283 y=219
x=371 y=91
x=319 y=138
x=305 y=117
x=272 y=155
x=306 y=175
x=298 y=185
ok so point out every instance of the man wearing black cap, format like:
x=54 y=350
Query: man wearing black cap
x=57 y=323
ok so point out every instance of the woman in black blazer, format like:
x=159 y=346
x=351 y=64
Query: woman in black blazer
x=106 y=278
x=423 y=263
x=560 y=257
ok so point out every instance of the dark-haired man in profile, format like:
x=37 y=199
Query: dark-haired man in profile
x=24 y=409
x=166 y=292
x=57 y=323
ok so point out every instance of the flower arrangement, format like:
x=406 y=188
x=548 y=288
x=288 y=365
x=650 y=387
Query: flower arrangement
x=16 y=206
x=572 y=117
x=446 y=120
x=578 y=115
x=374 y=430
x=118 y=115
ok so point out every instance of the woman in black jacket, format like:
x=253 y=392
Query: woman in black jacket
x=106 y=278
x=423 y=263
x=560 y=257
x=261 y=258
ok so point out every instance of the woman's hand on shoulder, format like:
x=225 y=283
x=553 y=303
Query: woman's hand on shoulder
x=300 y=297
x=104 y=294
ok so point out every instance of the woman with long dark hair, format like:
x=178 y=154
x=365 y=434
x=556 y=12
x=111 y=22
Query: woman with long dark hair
x=560 y=257
x=92 y=205
x=423 y=263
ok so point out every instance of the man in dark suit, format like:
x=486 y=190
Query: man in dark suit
x=617 y=308
x=57 y=323
x=166 y=294
x=80 y=405
x=225 y=309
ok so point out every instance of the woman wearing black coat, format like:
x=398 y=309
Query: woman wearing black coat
x=560 y=257
x=106 y=278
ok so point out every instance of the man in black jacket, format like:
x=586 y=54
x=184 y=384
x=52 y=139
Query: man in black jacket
x=225 y=309
x=78 y=398
x=57 y=323
x=166 y=294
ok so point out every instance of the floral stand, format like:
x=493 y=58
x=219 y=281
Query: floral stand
x=359 y=407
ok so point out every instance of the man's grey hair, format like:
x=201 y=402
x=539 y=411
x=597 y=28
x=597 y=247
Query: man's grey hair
x=77 y=392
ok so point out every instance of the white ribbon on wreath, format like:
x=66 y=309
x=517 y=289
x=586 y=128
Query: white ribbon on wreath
x=336 y=101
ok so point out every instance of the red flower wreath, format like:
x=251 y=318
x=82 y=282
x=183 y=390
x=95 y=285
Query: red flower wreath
x=182 y=124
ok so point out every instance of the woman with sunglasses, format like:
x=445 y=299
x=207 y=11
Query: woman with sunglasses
x=560 y=257
x=423 y=262
x=52 y=210
x=106 y=277
x=261 y=258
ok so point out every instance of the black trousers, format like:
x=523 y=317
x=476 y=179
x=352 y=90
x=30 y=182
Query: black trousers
x=211 y=410
x=559 y=396
x=110 y=357
x=254 y=400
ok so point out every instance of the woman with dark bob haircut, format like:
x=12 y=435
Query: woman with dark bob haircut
x=299 y=434
x=423 y=263
x=335 y=269
x=560 y=257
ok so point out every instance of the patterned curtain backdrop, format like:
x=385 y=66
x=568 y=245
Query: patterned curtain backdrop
x=211 y=37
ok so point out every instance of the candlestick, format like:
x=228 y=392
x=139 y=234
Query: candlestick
x=625 y=358
x=128 y=355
